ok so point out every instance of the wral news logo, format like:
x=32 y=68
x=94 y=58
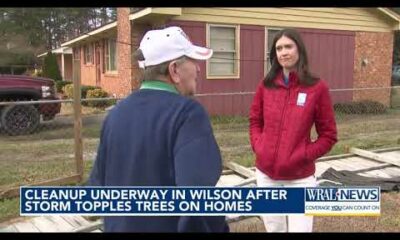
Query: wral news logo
x=345 y=201
x=342 y=194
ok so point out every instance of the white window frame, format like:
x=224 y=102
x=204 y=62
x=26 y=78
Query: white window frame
x=236 y=75
x=107 y=57
x=266 y=59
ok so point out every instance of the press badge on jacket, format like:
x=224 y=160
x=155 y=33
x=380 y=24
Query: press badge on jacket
x=301 y=99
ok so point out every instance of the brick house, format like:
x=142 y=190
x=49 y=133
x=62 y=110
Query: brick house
x=348 y=47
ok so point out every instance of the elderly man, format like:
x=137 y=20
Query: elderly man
x=159 y=136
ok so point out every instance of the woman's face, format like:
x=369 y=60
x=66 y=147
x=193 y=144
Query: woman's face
x=287 y=53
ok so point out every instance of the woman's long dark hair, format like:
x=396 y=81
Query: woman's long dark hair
x=303 y=72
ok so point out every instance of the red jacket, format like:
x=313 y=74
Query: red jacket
x=280 y=126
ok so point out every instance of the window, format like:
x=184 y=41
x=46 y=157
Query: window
x=110 y=55
x=224 y=41
x=270 y=34
x=88 y=54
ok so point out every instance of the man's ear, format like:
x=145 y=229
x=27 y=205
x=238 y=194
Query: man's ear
x=172 y=68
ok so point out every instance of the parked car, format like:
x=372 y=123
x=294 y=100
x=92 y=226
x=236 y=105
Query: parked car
x=23 y=119
x=396 y=75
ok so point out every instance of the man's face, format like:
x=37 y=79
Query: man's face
x=185 y=74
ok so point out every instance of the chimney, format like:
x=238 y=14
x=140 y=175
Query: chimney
x=124 y=62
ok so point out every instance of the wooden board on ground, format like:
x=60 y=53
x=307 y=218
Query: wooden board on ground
x=229 y=180
x=395 y=154
x=362 y=165
x=321 y=167
x=45 y=225
x=240 y=170
x=10 y=228
x=61 y=224
x=53 y=223
x=26 y=226
x=376 y=156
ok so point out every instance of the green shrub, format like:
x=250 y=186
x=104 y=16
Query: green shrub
x=50 y=67
x=85 y=89
x=360 y=107
x=96 y=93
x=68 y=90
x=60 y=85
x=99 y=93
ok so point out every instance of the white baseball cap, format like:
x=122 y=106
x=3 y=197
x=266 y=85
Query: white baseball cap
x=167 y=44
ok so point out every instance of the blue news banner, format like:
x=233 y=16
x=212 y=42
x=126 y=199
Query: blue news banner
x=169 y=201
